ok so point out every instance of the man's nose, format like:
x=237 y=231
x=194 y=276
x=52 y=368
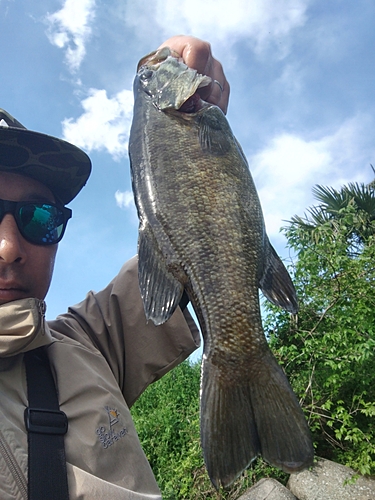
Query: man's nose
x=12 y=244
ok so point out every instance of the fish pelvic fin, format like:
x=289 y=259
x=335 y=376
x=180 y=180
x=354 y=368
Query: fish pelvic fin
x=161 y=292
x=276 y=283
x=257 y=416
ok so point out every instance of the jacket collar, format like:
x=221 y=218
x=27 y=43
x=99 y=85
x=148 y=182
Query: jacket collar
x=23 y=326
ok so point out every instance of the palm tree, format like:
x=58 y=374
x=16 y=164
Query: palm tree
x=334 y=206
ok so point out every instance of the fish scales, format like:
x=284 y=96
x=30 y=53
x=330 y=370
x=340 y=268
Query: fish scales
x=206 y=207
x=202 y=230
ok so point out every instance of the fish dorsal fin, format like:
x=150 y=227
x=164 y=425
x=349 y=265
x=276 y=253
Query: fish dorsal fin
x=276 y=283
x=214 y=132
x=161 y=292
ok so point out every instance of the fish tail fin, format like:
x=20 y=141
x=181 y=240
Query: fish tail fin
x=257 y=416
x=228 y=432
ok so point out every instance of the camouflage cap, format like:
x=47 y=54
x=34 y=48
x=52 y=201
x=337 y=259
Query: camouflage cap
x=62 y=167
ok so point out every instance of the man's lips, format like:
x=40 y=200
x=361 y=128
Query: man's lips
x=11 y=291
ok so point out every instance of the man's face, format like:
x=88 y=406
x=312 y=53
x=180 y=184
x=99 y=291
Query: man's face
x=25 y=269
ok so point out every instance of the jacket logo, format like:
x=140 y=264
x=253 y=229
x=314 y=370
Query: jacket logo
x=115 y=430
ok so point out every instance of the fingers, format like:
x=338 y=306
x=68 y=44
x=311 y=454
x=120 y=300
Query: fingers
x=197 y=55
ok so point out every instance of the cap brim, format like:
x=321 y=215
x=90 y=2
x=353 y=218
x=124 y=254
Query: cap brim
x=61 y=166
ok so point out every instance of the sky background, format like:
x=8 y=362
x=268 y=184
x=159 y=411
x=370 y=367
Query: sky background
x=302 y=103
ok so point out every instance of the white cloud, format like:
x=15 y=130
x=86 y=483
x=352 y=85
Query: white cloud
x=262 y=22
x=69 y=28
x=124 y=199
x=291 y=81
x=104 y=125
x=287 y=169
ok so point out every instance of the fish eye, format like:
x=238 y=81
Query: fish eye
x=146 y=76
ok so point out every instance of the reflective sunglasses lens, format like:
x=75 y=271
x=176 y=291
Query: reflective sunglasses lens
x=41 y=224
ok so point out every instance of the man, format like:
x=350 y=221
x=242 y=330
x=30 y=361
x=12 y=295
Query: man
x=102 y=353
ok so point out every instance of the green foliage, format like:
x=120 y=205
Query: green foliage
x=355 y=203
x=328 y=350
x=167 y=420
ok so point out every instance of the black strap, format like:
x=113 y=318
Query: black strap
x=46 y=426
x=184 y=301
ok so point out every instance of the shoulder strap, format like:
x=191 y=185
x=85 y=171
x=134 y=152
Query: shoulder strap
x=46 y=426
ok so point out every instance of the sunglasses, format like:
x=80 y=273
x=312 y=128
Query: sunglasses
x=39 y=223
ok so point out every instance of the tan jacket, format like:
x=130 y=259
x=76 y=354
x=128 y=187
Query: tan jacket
x=103 y=355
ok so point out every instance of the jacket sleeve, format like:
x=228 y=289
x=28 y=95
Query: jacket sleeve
x=113 y=321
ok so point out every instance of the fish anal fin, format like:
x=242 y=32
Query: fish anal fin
x=161 y=292
x=276 y=283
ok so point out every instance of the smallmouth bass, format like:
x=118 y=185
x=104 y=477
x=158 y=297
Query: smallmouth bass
x=201 y=230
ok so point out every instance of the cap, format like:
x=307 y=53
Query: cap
x=59 y=165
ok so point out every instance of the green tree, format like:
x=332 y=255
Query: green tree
x=332 y=208
x=167 y=421
x=328 y=349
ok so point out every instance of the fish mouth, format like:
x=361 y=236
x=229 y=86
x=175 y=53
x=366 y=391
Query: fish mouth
x=188 y=100
x=193 y=104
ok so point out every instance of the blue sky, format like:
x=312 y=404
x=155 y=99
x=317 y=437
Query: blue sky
x=302 y=103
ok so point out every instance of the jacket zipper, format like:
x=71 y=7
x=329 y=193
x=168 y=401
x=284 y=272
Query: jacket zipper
x=42 y=313
x=15 y=469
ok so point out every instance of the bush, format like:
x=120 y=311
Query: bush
x=328 y=350
x=167 y=420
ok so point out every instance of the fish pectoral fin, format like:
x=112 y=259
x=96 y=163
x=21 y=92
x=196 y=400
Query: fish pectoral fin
x=214 y=132
x=276 y=283
x=161 y=292
x=228 y=432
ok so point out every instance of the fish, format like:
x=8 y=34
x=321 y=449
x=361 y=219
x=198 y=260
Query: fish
x=202 y=233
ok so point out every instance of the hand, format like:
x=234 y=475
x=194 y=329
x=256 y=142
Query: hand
x=197 y=55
